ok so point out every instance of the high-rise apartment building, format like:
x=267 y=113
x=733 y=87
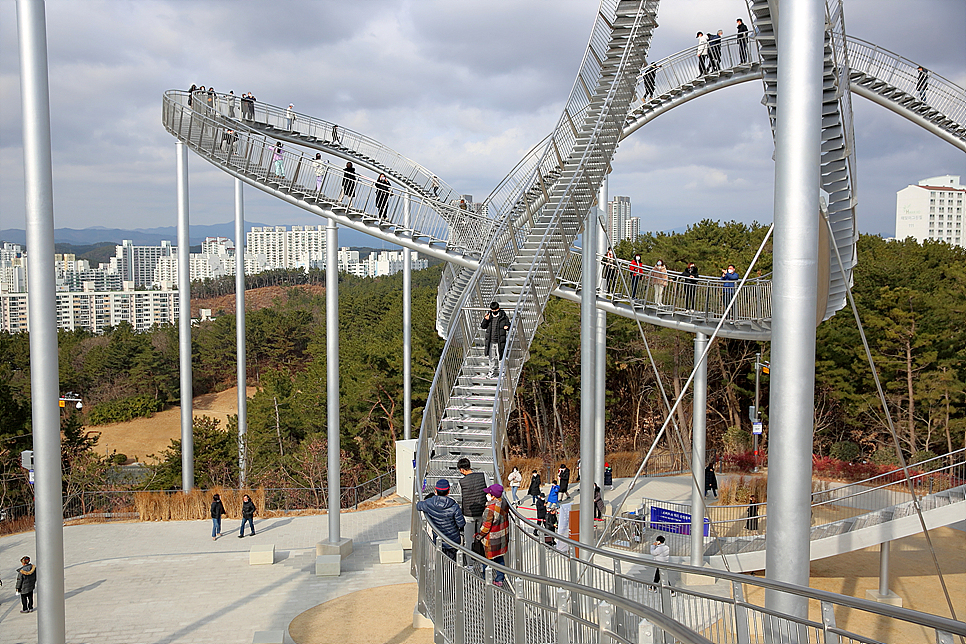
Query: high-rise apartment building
x=619 y=224
x=932 y=209
x=137 y=263
x=302 y=247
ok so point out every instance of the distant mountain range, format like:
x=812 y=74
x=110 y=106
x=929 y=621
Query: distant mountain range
x=154 y=236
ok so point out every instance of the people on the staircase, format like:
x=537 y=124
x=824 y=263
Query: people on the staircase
x=714 y=42
x=278 y=160
x=742 y=42
x=463 y=205
x=290 y=116
x=659 y=279
x=191 y=93
x=231 y=103
x=702 y=53
x=922 y=82
x=636 y=269
x=515 y=478
x=348 y=182
x=382 y=195
x=444 y=515
x=710 y=481
x=690 y=275
x=319 y=166
x=336 y=138
x=472 y=495
x=648 y=80
x=563 y=475
x=497 y=325
x=609 y=264
x=434 y=184
x=495 y=533
x=534 y=488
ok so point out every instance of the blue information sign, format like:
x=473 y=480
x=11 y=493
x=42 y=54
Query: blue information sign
x=672 y=521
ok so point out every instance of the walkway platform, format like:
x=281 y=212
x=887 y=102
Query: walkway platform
x=166 y=582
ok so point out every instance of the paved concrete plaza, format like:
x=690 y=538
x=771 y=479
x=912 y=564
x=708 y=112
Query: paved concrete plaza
x=153 y=583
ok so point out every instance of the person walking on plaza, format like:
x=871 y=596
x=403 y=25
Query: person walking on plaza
x=497 y=325
x=598 y=504
x=348 y=182
x=662 y=554
x=563 y=475
x=217 y=511
x=495 y=533
x=473 y=494
x=742 y=41
x=382 y=195
x=444 y=515
x=637 y=272
x=248 y=511
x=659 y=279
x=702 y=53
x=710 y=481
x=534 y=488
x=714 y=43
x=922 y=82
x=690 y=275
x=541 y=507
x=554 y=495
x=752 y=522
x=515 y=478
x=26 y=582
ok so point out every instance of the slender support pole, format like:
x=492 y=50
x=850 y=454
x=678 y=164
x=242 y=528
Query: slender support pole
x=42 y=313
x=884 y=568
x=699 y=438
x=407 y=329
x=588 y=341
x=184 y=324
x=757 y=405
x=332 y=375
x=797 y=175
x=240 y=330
x=600 y=359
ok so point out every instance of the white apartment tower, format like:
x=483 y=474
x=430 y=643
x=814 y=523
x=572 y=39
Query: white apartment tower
x=302 y=247
x=137 y=263
x=619 y=223
x=932 y=209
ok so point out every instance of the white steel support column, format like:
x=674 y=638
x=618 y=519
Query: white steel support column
x=884 y=568
x=184 y=324
x=588 y=341
x=600 y=358
x=240 y=330
x=699 y=437
x=332 y=377
x=42 y=311
x=407 y=329
x=797 y=176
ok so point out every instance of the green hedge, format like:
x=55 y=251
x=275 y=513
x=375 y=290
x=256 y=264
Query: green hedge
x=118 y=411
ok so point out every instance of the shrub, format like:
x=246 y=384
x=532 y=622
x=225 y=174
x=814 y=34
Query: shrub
x=925 y=455
x=119 y=459
x=884 y=456
x=736 y=439
x=119 y=411
x=845 y=451
x=742 y=462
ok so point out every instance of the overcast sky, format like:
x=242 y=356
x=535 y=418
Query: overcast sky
x=465 y=88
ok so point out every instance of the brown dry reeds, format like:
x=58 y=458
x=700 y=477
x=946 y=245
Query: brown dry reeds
x=178 y=506
x=738 y=491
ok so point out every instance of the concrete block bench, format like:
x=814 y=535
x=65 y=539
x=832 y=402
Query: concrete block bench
x=406 y=539
x=269 y=637
x=262 y=555
x=391 y=553
x=328 y=565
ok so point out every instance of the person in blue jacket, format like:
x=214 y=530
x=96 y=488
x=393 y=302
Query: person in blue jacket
x=553 y=496
x=444 y=515
x=730 y=277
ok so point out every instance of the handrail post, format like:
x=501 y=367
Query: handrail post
x=489 y=605
x=563 y=617
x=605 y=622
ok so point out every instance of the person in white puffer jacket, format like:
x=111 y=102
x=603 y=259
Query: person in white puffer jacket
x=662 y=554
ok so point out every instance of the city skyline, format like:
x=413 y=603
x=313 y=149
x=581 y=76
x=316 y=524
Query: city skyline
x=464 y=109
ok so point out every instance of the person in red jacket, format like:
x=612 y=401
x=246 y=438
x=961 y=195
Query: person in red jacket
x=637 y=272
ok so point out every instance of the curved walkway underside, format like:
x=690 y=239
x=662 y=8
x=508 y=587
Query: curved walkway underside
x=844 y=518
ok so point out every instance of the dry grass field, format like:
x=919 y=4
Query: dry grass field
x=143 y=436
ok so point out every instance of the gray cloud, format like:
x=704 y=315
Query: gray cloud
x=464 y=88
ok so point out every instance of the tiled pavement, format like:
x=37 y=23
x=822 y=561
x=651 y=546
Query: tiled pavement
x=155 y=583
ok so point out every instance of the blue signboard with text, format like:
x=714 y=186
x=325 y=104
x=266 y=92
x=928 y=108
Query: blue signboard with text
x=673 y=521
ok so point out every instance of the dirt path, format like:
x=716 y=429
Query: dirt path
x=144 y=436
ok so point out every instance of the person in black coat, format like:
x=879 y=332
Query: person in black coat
x=473 y=496
x=348 y=182
x=248 y=515
x=217 y=511
x=710 y=481
x=690 y=275
x=497 y=325
x=541 y=506
x=534 y=489
x=382 y=195
x=563 y=475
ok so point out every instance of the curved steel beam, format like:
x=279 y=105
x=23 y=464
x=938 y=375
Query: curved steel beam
x=909 y=114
